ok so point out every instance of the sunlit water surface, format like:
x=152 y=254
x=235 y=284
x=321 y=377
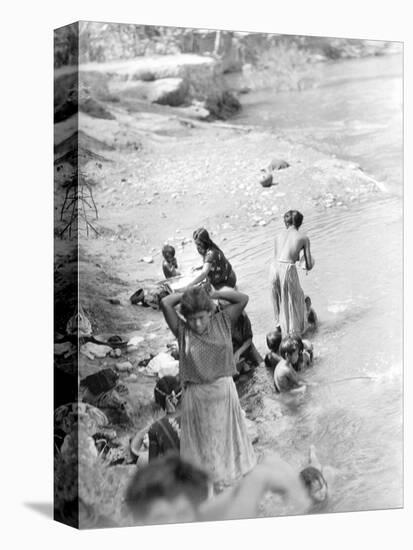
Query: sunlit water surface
x=356 y=285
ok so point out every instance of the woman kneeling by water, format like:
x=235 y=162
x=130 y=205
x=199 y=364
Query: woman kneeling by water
x=216 y=269
x=213 y=429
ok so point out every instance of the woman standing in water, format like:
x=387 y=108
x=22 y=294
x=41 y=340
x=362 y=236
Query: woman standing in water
x=216 y=268
x=213 y=430
x=287 y=294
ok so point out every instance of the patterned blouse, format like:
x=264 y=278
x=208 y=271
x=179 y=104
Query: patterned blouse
x=205 y=357
x=221 y=270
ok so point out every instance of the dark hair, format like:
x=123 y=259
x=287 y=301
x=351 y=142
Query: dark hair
x=299 y=341
x=310 y=474
x=201 y=236
x=293 y=217
x=271 y=360
x=195 y=300
x=307 y=300
x=168 y=248
x=274 y=340
x=164 y=387
x=166 y=477
x=288 y=346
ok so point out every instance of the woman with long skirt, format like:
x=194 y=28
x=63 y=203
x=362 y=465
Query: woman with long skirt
x=213 y=429
x=288 y=297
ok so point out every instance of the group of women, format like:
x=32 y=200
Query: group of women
x=212 y=428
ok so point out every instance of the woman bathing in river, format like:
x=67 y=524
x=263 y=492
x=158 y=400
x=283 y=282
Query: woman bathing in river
x=216 y=269
x=213 y=429
x=287 y=294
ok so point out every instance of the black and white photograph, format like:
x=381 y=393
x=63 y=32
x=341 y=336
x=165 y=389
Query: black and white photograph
x=228 y=248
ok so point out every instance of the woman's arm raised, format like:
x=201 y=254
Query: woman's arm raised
x=237 y=300
x=168 y=305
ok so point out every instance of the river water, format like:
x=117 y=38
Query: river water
x=355 y=112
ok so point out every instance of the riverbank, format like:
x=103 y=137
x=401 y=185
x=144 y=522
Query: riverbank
x=156 y=174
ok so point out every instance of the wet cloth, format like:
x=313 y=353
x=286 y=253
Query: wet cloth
x=205 y=357
x=164 y=436
x=221 y=272
x=288 y=299
x=213 y=431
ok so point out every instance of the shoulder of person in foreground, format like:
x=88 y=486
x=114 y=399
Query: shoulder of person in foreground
x=242 y=501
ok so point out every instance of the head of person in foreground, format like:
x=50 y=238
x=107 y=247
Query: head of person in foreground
x=197 y=308
x=167 y=490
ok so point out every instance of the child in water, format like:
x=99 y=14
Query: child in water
x=169 y=264
x=312 y=318
x=313 y=479
x=273 y=342
x=285 y=376
x=305 y=354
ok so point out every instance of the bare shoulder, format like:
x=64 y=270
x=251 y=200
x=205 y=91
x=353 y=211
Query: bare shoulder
x=304 y=239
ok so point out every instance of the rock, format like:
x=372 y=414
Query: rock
x=222 y=105
x=126 y=366
x=95 y=109
x=278 y=164
x=101 y=381
x=163 y=364
x=115 y=353
x=147 y=259
x=131 y=378
x=92 y=350
x=262 y=222
x=114 y=301
x=63 y=348
x=266 y=179
x=164 y=91
x=135 y=341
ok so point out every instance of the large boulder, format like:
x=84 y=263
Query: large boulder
x=222 y=105
x=165 y=91
x=168 y=91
